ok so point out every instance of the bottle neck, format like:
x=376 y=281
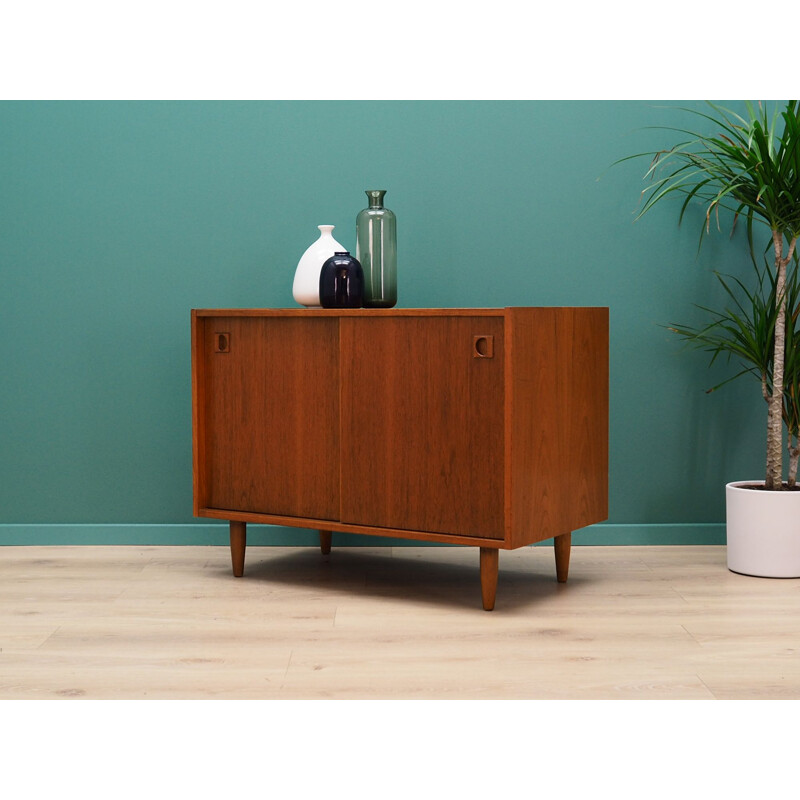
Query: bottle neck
x=376 y=197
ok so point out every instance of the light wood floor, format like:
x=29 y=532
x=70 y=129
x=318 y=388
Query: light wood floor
x=391 y=623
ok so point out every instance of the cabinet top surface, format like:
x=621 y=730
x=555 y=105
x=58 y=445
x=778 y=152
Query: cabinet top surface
x=350 y=312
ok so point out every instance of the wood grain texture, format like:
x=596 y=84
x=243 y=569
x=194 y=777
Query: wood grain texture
x=114 y=622
x=557 y=421
x=469 y=426
x=340 y=527
x=270 y=416
x=562 y=545
x=489 y=561
x=351 y=313
x=422 y=425
x=588 y=417
x=238 y=531
x=199 y=457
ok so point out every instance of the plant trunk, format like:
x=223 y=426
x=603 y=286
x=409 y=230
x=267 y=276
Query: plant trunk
x=774 y=477
x=794 y=456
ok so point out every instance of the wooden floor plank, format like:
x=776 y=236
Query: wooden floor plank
x=395 y=623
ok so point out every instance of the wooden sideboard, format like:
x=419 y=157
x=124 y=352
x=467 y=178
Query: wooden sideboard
x=482 y=427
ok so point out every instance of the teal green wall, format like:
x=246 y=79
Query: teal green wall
x=117 y=218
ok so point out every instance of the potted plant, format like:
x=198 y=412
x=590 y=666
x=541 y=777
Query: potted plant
x=752 y=168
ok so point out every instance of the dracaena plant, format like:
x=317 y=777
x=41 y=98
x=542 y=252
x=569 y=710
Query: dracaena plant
x=744 y=333
x=750 y=166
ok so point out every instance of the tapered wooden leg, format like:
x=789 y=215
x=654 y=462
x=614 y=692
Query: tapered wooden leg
x=238 y=544
x=562 y=544
x=325 y=542
x=489 y=565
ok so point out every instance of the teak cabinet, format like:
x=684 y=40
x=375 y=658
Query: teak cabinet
x=483 y=427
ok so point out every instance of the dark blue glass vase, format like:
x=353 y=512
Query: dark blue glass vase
x=341 y=282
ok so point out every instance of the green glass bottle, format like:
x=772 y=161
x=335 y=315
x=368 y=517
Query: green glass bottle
x=376 y=251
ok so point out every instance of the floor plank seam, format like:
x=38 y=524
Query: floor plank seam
x=692 y=636
x=286 y=671
x=688 y=602
x=43 y=643
x=711 y=691
x=615 y=631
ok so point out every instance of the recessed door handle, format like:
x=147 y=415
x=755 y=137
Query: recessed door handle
x=222 y=343
x=483 y=346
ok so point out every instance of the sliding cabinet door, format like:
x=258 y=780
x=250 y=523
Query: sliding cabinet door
x=422 y=423
x=271 y=401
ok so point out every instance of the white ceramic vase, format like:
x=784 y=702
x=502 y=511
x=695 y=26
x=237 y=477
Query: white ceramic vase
x=763 y=531
x=306 y=278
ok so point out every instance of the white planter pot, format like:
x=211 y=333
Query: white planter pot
x=763 y=531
